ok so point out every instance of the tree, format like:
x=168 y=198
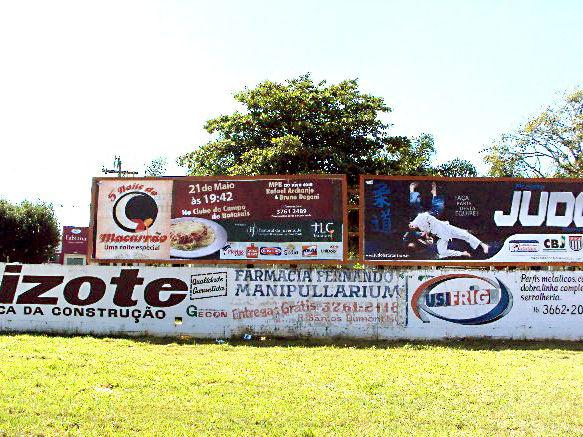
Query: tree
x=29 y=232
x=9 y=230
x=300 y=126
x=548 y=145
x=459 y=168
x=156 y=167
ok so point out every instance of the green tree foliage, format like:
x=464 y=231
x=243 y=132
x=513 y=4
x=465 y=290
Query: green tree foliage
x=459 y=168
x=548 y=145
x=300 y=126
x=156 y=167
x=29 y=232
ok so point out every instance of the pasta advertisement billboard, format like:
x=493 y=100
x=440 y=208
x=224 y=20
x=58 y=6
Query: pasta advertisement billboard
x=214 y=219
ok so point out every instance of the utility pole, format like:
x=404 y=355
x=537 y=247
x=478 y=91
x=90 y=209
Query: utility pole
x=118 y=170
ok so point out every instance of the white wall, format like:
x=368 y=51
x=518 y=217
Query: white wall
x=223 y=302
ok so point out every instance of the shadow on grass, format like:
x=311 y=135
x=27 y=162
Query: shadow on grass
x=472 y=344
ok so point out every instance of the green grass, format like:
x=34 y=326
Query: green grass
x=101 y=386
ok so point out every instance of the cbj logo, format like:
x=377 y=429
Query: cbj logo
x=135 y=211
x=555 y=243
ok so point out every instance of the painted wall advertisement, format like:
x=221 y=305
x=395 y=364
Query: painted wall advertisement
x=203 y=302
x=294 y=218
x=479 y=220
x=319 y=302
x=349 y=303
x=517 y=304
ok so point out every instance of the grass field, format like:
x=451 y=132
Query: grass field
x=92 y=386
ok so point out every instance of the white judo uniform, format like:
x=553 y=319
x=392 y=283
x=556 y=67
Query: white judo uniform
x=445 y=232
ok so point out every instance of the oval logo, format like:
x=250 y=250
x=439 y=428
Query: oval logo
x=273 y=251
x=75 y=231
x=462 y=298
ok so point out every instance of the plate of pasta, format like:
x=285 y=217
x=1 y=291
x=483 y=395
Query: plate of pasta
x=193 y=237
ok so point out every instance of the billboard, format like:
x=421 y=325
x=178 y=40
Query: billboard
x=273 y=219
x=478 y=221
x=74 y=240
x=224 y=301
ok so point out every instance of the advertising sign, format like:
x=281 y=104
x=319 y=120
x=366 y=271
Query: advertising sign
x=318 y=302
x=74 y=244
x=220 y=219
x=205 y=302
x=222 y=302
x=516 y=304
x=479 y=221
x=113 y=300
x=74 y=240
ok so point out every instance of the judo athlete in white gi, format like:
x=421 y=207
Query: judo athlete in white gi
x=445 y=232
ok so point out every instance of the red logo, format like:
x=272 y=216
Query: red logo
x=252 y=251
x=310 y=251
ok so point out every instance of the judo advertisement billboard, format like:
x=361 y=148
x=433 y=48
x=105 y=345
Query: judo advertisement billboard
x=477 y=221
x=220 y=219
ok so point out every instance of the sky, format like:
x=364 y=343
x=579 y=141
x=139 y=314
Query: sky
x=81 y=82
